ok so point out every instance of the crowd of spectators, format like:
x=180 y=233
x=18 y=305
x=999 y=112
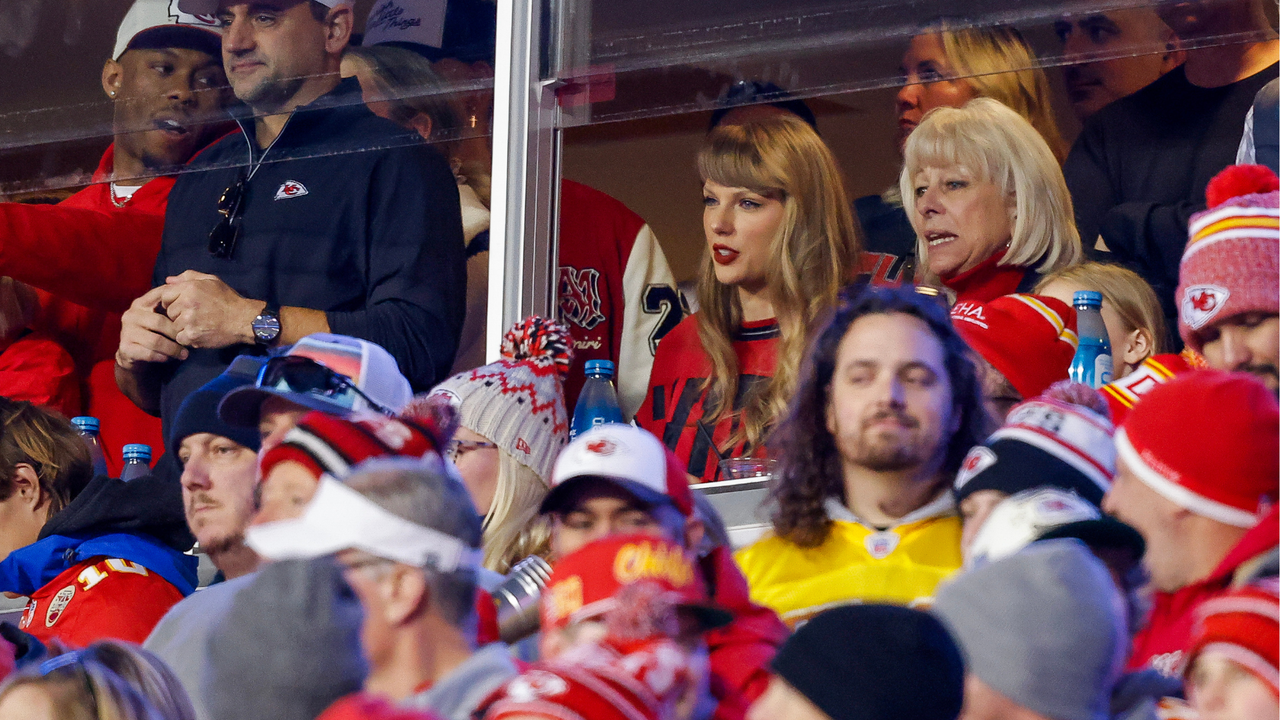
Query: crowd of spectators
x=295 y=229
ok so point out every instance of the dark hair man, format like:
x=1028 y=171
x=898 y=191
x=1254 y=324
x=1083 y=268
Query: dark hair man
x=1113 y=54
x=618 y=480
x=1140 y=166
x=321 y=217
x=885 y=412
x=92 y=254
x=98 y=557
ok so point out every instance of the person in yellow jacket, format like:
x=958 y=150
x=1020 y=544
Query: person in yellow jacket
x=883 y=417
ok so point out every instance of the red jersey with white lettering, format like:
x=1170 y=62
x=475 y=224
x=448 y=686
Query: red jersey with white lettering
x=1124 y=393
x=673 y=409
x=98 y=599
x=616 y=291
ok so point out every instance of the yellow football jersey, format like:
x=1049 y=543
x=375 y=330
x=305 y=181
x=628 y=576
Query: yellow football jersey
x=900 y=565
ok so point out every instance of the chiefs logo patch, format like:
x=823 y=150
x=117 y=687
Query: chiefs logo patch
x=1201 y=303
x=536 y=684
x=579 y=292
x=58 y=604
x=291 y=189
x=603 y=446
x=980 y=458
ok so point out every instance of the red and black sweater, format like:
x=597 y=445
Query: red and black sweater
x=674 y=407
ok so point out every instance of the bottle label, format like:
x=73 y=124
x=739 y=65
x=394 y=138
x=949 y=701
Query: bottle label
x=1103 y=369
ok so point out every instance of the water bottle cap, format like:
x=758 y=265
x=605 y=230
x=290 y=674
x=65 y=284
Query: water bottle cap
x=599 y=366
x=84 y=423
x=1088 y=298
x=135 y=450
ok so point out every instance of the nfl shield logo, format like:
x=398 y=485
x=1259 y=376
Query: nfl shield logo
x=881 y=544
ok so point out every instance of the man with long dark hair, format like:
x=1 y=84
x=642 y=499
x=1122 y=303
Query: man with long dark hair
x=887 y=407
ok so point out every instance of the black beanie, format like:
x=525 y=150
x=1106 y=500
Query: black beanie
x=1018 y=466
x=199 y=411
x=875 y=662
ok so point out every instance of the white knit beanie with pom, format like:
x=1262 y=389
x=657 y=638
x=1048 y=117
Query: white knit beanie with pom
x=518 y=401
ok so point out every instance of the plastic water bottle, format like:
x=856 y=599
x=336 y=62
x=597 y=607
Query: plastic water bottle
x=88 y=428
x=598 y=402
x=137 y=461
x=1092 y=364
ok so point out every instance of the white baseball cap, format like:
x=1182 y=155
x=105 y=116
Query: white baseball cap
x=1047 y=513
x=160 y=24
x=410 y=21
x=627 y=456
x=339 y=518
x=210 y=7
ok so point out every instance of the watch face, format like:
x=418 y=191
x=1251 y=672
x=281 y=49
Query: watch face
x=266 y=327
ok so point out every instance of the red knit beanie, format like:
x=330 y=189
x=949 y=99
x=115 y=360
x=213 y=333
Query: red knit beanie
x=1232 y=261
x=326 y=443
x=560 y=691
x=1030 y=339
x=1244 y=626
x=1208 y=441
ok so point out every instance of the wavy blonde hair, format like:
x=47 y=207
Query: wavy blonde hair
x=999 y=146
x=997 y=61
x=815 y=252
x=513 y=530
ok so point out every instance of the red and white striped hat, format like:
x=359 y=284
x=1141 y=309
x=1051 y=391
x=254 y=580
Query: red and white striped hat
x=1244 y=626
x=1232 y=261
x=1208 y=441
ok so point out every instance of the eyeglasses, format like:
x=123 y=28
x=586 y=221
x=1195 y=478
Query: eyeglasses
x=302 y=375
x=458 y=448
x=222 y=239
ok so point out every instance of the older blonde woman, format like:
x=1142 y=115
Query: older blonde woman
x=987 y=201
x=781 y=242
x=947 y=66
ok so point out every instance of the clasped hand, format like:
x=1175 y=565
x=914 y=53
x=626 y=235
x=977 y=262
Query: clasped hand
x=191 y=310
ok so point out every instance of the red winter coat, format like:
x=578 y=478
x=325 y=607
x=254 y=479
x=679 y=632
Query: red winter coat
x=741 y=651
x=89 y=260
x=1163 y=642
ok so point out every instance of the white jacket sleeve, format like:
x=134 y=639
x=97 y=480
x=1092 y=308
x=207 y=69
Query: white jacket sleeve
x=652 y=309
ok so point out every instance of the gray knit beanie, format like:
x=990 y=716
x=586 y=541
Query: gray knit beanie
x=518 y=401
x=288 y=647
x=1044 y=627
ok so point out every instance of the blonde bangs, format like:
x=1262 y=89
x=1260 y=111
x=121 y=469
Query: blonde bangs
x=731 y=157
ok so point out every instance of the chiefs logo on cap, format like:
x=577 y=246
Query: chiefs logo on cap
x=979 y=458
x=641 y=561
x=603 y=446
x=1201 y=303
x=291 y=189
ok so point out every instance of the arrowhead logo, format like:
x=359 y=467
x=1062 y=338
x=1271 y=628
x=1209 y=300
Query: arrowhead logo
x=1201 y=303
x=291 y=189
x=979 y=458
x=603 y=446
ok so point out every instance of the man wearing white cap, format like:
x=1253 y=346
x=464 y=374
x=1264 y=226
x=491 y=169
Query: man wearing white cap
x=319 y=217
x=408 y=538
x=90 y=255
x=617 y=479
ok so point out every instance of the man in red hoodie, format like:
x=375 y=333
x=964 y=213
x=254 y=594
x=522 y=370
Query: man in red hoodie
x=618 y=479
x=90 y=255
x=1197 y=474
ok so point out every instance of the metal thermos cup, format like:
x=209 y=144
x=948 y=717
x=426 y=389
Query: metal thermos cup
x=517 y=598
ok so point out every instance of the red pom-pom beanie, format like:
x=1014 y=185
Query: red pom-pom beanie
x=1232 y=261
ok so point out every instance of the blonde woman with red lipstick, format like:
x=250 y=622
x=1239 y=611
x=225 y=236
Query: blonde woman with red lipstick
x=781 y=242
x=987 y=200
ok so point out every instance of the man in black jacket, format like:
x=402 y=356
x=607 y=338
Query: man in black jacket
x=1140 y=166
x=317 y=217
